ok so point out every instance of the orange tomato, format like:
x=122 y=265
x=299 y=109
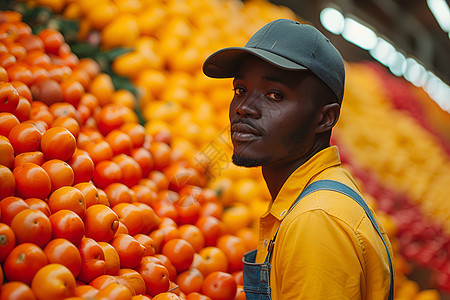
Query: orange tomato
x=220 y=286
x=106 y=172
x=119 y=141
x=68 y=225
x=101 y=223
x=192 y=235
x=22 y=89
x=102 y=87
x=115 y=291
x=190 y=281
x=165 y=209
x=197 y=296
x=136 y=132
x=167 y=296
x=16 y=290
x=249 y=236
x=144 y=194
x=161 y=155
x=151 y=220
x=35 y=157
x=121 y=230
x=32 y=226
x=52 y=39
x=188 y=210
x=23 y=109
x=214 y=259
x=212 y=208
x=82 y=166
x=212 y=228
x=131 y=170
x=144 y=159
x=54 y=281
x=86 y=291
x=67 y=197
x=238 y=277
x=112 y=258
x=118 y=193
x=10 y=207
x=6 y=152
x=69 y=123
x=162 y=183
x=7 y=122
x=156 y=277
x=38 y=204
x=60 y=173
x=58 y=143
x=72 y=91
x=32 y=181
x=112 y=116
x=129 y=250
x=89 y=191
x=7 y=241
x=23 y=262
x=47 y=90
x=25 y=137
x=99 y=151
x=199 y=263
x=234 y=249
x=131 y=216
x=103 y=281
x=7 y=182
x=147 y=242
x=62 y=251
x=134 y=279
x=92 y=260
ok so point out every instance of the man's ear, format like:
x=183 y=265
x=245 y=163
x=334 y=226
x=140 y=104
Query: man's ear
x=329 y=115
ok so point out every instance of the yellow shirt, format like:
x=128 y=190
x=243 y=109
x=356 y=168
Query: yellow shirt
x=326 y=247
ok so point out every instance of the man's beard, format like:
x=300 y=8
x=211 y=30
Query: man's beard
x=249 y=162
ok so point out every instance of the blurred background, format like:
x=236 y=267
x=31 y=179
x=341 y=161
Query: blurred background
x=394 y=130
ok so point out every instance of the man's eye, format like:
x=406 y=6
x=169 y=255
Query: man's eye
x=239 y=91
x=274 y=96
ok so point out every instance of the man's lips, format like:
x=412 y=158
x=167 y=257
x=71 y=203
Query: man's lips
x=243 y=132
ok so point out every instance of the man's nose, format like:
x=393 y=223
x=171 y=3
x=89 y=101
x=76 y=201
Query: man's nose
x=248 y=107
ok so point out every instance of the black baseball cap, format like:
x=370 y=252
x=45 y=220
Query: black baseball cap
x=288 y=45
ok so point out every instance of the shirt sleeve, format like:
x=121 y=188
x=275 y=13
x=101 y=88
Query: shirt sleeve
x=317 y=256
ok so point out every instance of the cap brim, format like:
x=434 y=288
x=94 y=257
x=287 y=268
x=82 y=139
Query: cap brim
x=225 y=62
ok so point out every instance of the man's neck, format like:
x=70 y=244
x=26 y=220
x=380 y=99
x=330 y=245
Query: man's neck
x=276 y=175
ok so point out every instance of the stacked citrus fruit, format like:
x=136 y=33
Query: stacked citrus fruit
x=92 y=205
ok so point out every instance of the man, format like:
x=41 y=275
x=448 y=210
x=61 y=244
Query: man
x=323 y=243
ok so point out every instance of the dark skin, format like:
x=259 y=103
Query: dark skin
x=276 y=121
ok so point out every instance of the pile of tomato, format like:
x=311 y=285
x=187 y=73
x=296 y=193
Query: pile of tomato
x=91 y=205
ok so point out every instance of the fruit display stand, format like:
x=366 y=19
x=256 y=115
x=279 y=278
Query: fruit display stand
x=115 y=169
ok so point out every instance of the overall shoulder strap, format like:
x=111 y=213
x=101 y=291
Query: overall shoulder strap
x=332 y=185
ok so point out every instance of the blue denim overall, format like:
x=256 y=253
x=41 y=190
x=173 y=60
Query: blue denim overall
x=257 y=276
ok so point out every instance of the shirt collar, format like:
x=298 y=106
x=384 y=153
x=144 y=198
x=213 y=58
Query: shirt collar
x=298 y=180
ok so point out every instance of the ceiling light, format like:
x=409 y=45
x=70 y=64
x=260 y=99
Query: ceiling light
x=358 y=34
x=332 y=20
x=382 y=51
x=441 y=12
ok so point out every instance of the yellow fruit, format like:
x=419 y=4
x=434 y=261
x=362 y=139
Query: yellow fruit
x=121 y=32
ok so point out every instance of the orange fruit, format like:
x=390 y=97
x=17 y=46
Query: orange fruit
x=23 y=262
x=86 y=291
x=25 y=137
x=135 y=131
x=53 y=281
x=134 y=279
x=214 y=259
x=196 y=296
x=47 y=90
x=58 y=143
x=69 y=123
x=23 y=109
x=131 y=216
x=68 y=225
x=131 y=170
x=167 y=296
x=156 y=277
x=16 y=290
x=90 y=192
x=118 y=193
x=144 y=194
x=99 y=151
x=101 y=223
x=219 y=285
x=67 y=197
x=180 y=253
x=212 y=228
x=63 y=252
x=31 y=181
x=111 y=258
x=82 y=166
x=151 y=220
x=234 y=249
x=102 y=88
x=192 y=235
x=10 y=207
x=36 y=157
x=38 y=204
x=115 y=291
x=60 y=173
x=7 y=182
x=106 y=172
x=119 y=141
x=92 y=260
x=32 y=226
x=147 y=242
x=190 y=281
x=6 y=152
x=129 y=250
x=144 y=158
x=7 y=122
x=7 y=241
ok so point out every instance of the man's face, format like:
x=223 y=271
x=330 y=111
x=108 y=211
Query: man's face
x=272 y=114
